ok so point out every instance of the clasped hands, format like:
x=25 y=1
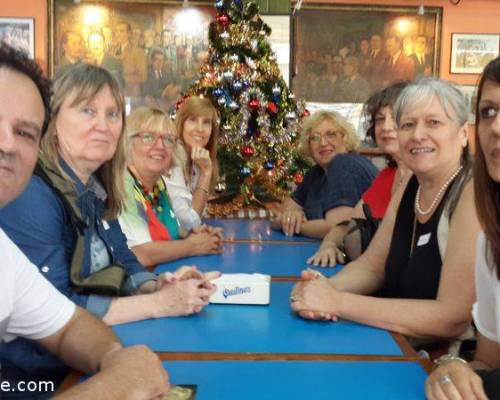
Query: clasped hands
x=315 y=297
x=183 y=292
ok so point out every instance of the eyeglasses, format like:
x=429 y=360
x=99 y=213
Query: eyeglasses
x=328 y=136
x=150 y=138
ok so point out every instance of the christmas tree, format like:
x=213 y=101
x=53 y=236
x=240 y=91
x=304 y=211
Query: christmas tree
x=260 y=118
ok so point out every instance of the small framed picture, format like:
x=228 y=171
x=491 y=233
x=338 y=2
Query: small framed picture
x=470 y=52
x=19 y=33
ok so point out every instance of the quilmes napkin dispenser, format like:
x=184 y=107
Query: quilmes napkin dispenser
x=242 y=289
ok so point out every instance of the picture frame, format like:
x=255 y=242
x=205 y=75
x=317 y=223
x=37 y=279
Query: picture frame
x=19 y=33
x=470 y=52
x=373 y=46
x=470 y=94
x=154 y=48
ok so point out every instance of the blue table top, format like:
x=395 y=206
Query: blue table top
x=258 y=329
x=258 y=230
x=280 y=260
x=318 y=380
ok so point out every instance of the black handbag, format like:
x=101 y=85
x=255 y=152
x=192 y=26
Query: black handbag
x=360 y=232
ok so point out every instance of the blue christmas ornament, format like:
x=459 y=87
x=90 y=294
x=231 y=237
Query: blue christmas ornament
x=268 y=165
x=219 y=5
x=237 y=86
x=218 y=92
x=276 y=98
x=239 y=3
x=245 y=171
x=246 y=84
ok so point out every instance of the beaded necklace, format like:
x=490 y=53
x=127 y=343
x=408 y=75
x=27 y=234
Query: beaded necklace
x=438 y=195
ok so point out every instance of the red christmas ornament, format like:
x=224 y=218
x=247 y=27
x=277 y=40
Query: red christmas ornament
x=223 y=19
x=247 y=151
x=298 y=178
x=254 y=104
x=272 y=108
x=306 y=113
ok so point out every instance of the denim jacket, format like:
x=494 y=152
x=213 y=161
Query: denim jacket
x=38 y=224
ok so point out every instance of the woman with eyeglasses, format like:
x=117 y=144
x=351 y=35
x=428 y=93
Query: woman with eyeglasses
x=332 y=187
x=148 y=221
x=197 y=125
x=66 y=221
x=352 y=239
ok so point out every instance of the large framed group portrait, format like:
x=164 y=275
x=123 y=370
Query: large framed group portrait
x=154 y=49
x=344 y=53
x=19 y=33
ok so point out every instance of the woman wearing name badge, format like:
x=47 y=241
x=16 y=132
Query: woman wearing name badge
x=352 y=239
x=197 y=125
x=65 y=221
x=148 y=221
x=416 y=277
x=480 y=379
x=333 y=187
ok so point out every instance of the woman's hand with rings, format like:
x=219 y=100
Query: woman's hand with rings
x=454 y=380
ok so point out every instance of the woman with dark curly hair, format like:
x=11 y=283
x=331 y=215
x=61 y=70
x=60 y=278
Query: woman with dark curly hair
x=382 y=129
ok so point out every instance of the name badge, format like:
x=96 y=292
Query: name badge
x=424 y=239
x=105 y=224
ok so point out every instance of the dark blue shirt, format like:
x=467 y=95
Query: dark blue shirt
x=348 y=176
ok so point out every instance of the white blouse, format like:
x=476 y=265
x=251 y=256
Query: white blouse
x=486 y=310
x=182 y=197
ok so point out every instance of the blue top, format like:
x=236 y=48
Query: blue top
x=348 y=177
x=318 y=380
x=38 y=224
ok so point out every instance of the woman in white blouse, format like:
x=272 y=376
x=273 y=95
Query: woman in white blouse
x=197 y=124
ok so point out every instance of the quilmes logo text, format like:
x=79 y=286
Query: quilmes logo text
x=235 y=291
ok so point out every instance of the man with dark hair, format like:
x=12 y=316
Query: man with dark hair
x=30 y=306
x=399 y=67
x=133 y=59
x=353 y=88
x=378 y=56
x=72 y=45
x=422 y=60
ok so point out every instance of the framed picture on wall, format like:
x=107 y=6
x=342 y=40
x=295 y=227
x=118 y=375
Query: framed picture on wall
x=470 y=52
x=470 y=94
x=19 y=33
x=153 y=48
x=343 y=53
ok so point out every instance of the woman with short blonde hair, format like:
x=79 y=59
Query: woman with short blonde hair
x=333 y=187
x=347 y=130
x=148 y=221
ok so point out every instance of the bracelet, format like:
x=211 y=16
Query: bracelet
x=203 y=190
x=447 y=358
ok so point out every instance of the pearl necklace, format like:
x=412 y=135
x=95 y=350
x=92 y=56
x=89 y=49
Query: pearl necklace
x=438 y=195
